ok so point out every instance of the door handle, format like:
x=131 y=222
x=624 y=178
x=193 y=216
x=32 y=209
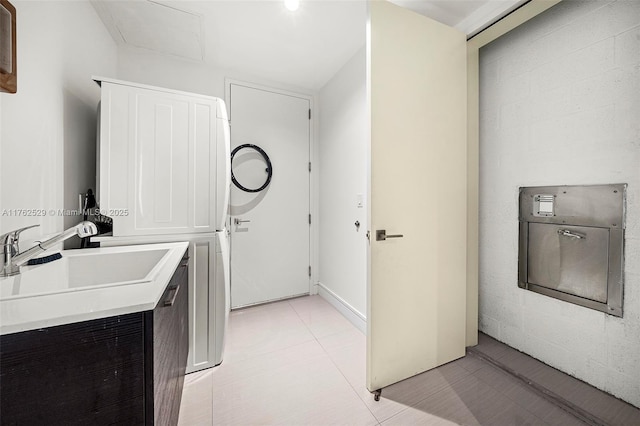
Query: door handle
x=240 y=221
x=381 y=235
x=169 y=301
x=571 y=234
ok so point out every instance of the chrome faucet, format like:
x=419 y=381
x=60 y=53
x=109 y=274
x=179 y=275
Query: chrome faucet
x=12 y=259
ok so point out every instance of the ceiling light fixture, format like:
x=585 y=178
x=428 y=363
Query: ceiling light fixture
x=292 y=5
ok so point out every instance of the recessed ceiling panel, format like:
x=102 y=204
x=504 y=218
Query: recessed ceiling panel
x=158 y=27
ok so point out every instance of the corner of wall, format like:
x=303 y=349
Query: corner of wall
x=349 y=312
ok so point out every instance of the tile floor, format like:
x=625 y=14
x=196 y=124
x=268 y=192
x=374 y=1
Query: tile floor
x=301 y=362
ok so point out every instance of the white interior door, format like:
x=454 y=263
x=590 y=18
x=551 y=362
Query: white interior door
x=270 y=227
x=416 y=286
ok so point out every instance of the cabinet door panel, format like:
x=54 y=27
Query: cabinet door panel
x=165 y=359
x=87 y=373
x=162 y=162
x=115 y=164
x=182 y=325
x=122 y=370
x=157 y=161
x=170 y=341
x=204 y=164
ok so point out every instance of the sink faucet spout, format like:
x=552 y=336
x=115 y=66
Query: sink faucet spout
x=12 y=258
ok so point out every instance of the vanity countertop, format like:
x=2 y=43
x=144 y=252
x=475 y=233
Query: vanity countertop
x=74 y=289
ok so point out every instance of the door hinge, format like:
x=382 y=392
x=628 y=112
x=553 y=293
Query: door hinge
x=309 y=113
x=309 y=165
x=309 y=270
x=309 y=218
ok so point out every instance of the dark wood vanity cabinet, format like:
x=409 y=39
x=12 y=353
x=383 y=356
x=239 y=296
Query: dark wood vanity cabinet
x=168 y=323
x=122 y=370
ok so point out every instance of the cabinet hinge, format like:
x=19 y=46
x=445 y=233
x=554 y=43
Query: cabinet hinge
x=309 y=165
x=309 y=113
x=309 y=270
x=309 y=218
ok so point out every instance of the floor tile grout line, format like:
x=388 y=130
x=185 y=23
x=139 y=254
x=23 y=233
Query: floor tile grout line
x=309 y=328
x=305 y=324
x=359 y=395
x=340 y=371
x=499 y=390
x=313 y=337
x=543 y=392
x=448 y=386
x=325 y=353
x=269 y=352
x=396 y=414
x=351 y=386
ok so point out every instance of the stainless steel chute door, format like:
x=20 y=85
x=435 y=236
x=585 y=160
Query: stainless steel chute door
x=571 y=259
x=571 y=244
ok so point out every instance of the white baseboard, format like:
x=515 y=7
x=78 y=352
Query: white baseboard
x=348 y=311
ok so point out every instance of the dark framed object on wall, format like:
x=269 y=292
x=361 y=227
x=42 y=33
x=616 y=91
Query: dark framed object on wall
x=8 y=68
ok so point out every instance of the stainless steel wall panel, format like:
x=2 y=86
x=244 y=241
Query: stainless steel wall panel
x=571 y=244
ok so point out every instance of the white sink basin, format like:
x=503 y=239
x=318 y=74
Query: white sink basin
x=84 y=270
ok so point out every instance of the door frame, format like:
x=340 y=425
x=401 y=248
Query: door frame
x=494 y=31
x=314 y=190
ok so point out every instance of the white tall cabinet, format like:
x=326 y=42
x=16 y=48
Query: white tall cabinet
x=164 y=175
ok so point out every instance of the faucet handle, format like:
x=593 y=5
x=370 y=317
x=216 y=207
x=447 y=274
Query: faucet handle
x=11 y=238
x=16 y=233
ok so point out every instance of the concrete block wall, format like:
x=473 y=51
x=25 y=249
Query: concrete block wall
x=560 y=105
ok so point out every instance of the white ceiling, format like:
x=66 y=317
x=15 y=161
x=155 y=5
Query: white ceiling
x=303 y=48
